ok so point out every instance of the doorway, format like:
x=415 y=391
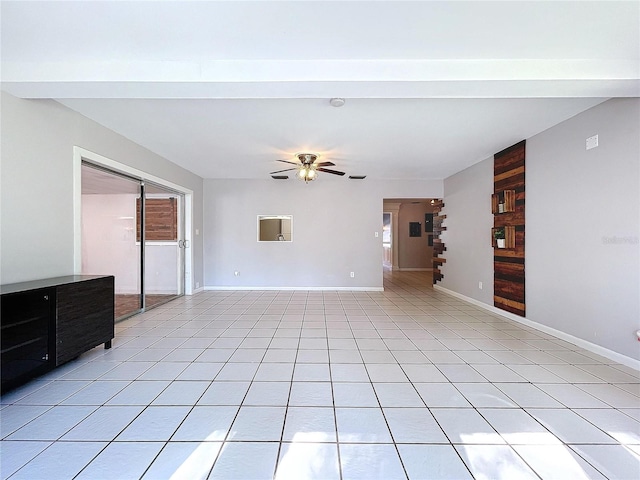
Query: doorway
x=132 y=229
x=387 y=241
x=409 y=223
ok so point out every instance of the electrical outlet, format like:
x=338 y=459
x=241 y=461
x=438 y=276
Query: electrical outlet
x=592 y=142
x=236 y=273
x=376 y=234
x=352 y=274
x=480 y=285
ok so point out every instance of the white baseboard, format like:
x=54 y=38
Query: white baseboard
x=592 y=347
x=197 y=290
x=315 y=289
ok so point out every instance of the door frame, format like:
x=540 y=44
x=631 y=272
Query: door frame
x=80 y=154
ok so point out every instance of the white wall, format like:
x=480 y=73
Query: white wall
x=582 y=216
x=109 y=247
x=334 y=225
x=469 y=255
x=36 y=195
x=582 y=227
x=413 y=252
x=109 y=239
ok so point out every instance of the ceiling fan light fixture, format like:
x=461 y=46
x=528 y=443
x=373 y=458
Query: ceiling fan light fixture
x=307 y=173
x=306 y=167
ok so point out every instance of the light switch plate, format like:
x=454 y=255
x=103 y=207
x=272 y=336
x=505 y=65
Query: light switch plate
x=592 y=142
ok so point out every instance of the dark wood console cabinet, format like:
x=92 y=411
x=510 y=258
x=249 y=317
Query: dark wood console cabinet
x=46 y=323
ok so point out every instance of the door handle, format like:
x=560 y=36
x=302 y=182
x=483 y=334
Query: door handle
x=180 y=243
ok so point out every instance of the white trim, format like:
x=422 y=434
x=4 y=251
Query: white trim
x=592 y=347
x=134 y=172
x=197 y=290
x=79 y=154
x=319 y=289
x=188 y=250
x=158 y=243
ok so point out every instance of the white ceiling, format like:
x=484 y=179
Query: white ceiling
x=226 y=88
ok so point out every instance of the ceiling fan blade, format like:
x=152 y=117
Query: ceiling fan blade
x=280 y=171
x=326 y=170
x=287 y=161
x=325 y=164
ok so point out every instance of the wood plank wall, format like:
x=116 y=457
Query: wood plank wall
x=508 y=264
x=438 y=245
x=161 y=219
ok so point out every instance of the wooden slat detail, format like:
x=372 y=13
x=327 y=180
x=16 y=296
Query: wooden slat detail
x=516 y=151
x=439 y=248
x=161 y=219
x=510 y=183
x=506 y=269
x=508 y=308
x=509 y=174
x=509 y=272
x=509 y=289
x=515 y=254
x=511 y=303
x=438 y=244
x=513 y=218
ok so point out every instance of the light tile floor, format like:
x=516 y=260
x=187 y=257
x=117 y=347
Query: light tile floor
x=405 y=383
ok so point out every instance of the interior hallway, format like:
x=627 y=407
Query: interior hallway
x=405 y=383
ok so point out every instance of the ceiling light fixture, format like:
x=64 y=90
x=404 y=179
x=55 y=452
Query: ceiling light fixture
x=307 y=172
x=337 y=102
x=306 y=167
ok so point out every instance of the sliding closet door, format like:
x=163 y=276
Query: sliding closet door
x=109 y=244
x=163 y=244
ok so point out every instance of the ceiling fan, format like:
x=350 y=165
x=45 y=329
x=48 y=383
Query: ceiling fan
x=307 y=168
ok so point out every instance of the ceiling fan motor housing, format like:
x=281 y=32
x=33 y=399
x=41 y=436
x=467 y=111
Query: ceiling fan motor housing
x=307 y=158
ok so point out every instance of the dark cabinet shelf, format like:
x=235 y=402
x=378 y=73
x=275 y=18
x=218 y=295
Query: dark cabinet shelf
x=26 y=340
x=46 y=323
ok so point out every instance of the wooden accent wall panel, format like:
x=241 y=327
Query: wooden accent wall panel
x=161 y=219
x=438 y=244
x=508 y=263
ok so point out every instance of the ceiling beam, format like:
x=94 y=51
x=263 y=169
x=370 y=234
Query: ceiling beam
x=325 y=78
